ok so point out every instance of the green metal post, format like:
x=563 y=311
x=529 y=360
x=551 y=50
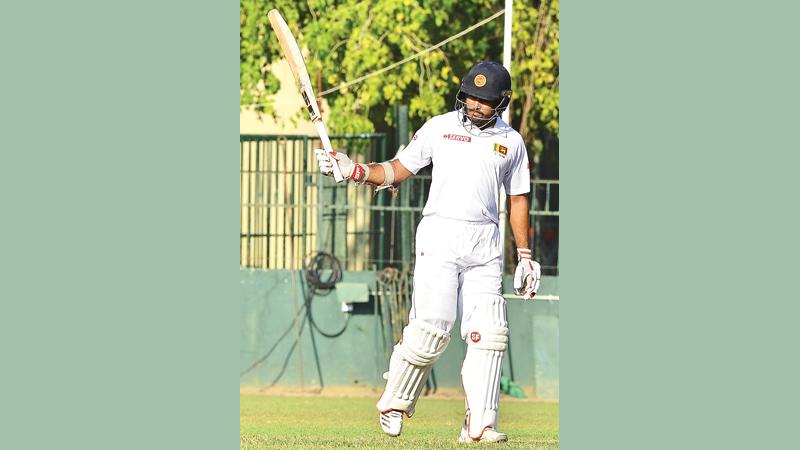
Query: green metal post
x=386 y=201
x=402 y=125
x=320 y=227
x=406 y=218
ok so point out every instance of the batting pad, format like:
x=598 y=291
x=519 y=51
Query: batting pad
x=487 y=341
x=410 y=365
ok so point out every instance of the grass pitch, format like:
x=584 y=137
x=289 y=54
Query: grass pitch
x=307 y=422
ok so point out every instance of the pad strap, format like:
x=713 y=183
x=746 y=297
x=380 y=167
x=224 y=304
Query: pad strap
x=489 y=338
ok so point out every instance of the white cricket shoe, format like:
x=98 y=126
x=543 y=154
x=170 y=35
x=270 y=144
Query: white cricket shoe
x=488 y=435
x=392 y=422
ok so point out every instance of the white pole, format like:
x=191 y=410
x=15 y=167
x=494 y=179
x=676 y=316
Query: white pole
x=507 y=64
x=507 y=42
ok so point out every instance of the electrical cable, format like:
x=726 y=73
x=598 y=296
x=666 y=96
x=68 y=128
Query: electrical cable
x=420 y=53
x=274 y=346
x=403 y=61
x=323 y=261
x=320 y=262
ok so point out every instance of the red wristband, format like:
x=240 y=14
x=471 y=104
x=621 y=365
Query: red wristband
x=359 y=174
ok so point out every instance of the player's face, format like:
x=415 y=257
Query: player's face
x=480 y=112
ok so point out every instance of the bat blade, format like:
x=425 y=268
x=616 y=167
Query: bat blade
x=296 y=62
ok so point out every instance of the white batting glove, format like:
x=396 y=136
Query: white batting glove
x=528 y=274
x=350 y=170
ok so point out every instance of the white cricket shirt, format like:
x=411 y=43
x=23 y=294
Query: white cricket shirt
x=468 y=169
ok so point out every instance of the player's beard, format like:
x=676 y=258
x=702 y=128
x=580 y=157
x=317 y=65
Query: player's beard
x=479 y=119
x=475 y=123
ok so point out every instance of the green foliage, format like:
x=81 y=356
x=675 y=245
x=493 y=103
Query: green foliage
x=356 y=38
x=534 y=70
x=258 y=48
x=346 y=39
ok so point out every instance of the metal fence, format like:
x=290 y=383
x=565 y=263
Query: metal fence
x=544 y=221
x=289 y=211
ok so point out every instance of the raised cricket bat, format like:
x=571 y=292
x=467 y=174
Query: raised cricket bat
x=298 y=65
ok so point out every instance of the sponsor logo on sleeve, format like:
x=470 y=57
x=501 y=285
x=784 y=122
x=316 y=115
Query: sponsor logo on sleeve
x=458 y=137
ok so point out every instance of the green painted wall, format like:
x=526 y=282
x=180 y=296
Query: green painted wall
x=359 y=356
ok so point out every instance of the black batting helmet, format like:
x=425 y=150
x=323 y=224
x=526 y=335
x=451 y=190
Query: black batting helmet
x=487 y=80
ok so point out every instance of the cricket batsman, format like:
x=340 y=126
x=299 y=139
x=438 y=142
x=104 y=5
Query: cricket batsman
x=459 y=254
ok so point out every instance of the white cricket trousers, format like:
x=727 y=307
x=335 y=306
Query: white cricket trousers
x=458 y=272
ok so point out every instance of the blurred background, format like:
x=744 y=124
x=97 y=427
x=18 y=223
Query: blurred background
x=327 y=269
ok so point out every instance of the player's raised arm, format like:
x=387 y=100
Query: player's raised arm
x=388 y=174
x=385 y=175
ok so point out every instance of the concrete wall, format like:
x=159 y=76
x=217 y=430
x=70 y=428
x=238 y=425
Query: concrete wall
x=270 y=300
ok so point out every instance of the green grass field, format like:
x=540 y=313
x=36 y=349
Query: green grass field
x=309 y=422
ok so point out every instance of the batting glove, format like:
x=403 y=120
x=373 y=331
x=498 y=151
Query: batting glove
x=350 y=170
x=528 y=274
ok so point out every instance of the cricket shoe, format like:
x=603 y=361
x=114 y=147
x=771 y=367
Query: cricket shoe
x=488 y=435
x=392 y=422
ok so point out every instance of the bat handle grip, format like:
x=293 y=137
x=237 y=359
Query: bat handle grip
x=326 y=144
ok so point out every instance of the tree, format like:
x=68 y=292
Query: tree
x=348 y=39
x=535 y=71
x=258 y=48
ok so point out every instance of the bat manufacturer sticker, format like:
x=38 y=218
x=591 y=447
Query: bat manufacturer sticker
x=457 y=137
x=311 y=111
x=475 y=337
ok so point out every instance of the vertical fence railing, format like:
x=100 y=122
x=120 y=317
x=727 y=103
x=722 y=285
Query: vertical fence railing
x=545 y=216
x=289 y=211
x=277 y=222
